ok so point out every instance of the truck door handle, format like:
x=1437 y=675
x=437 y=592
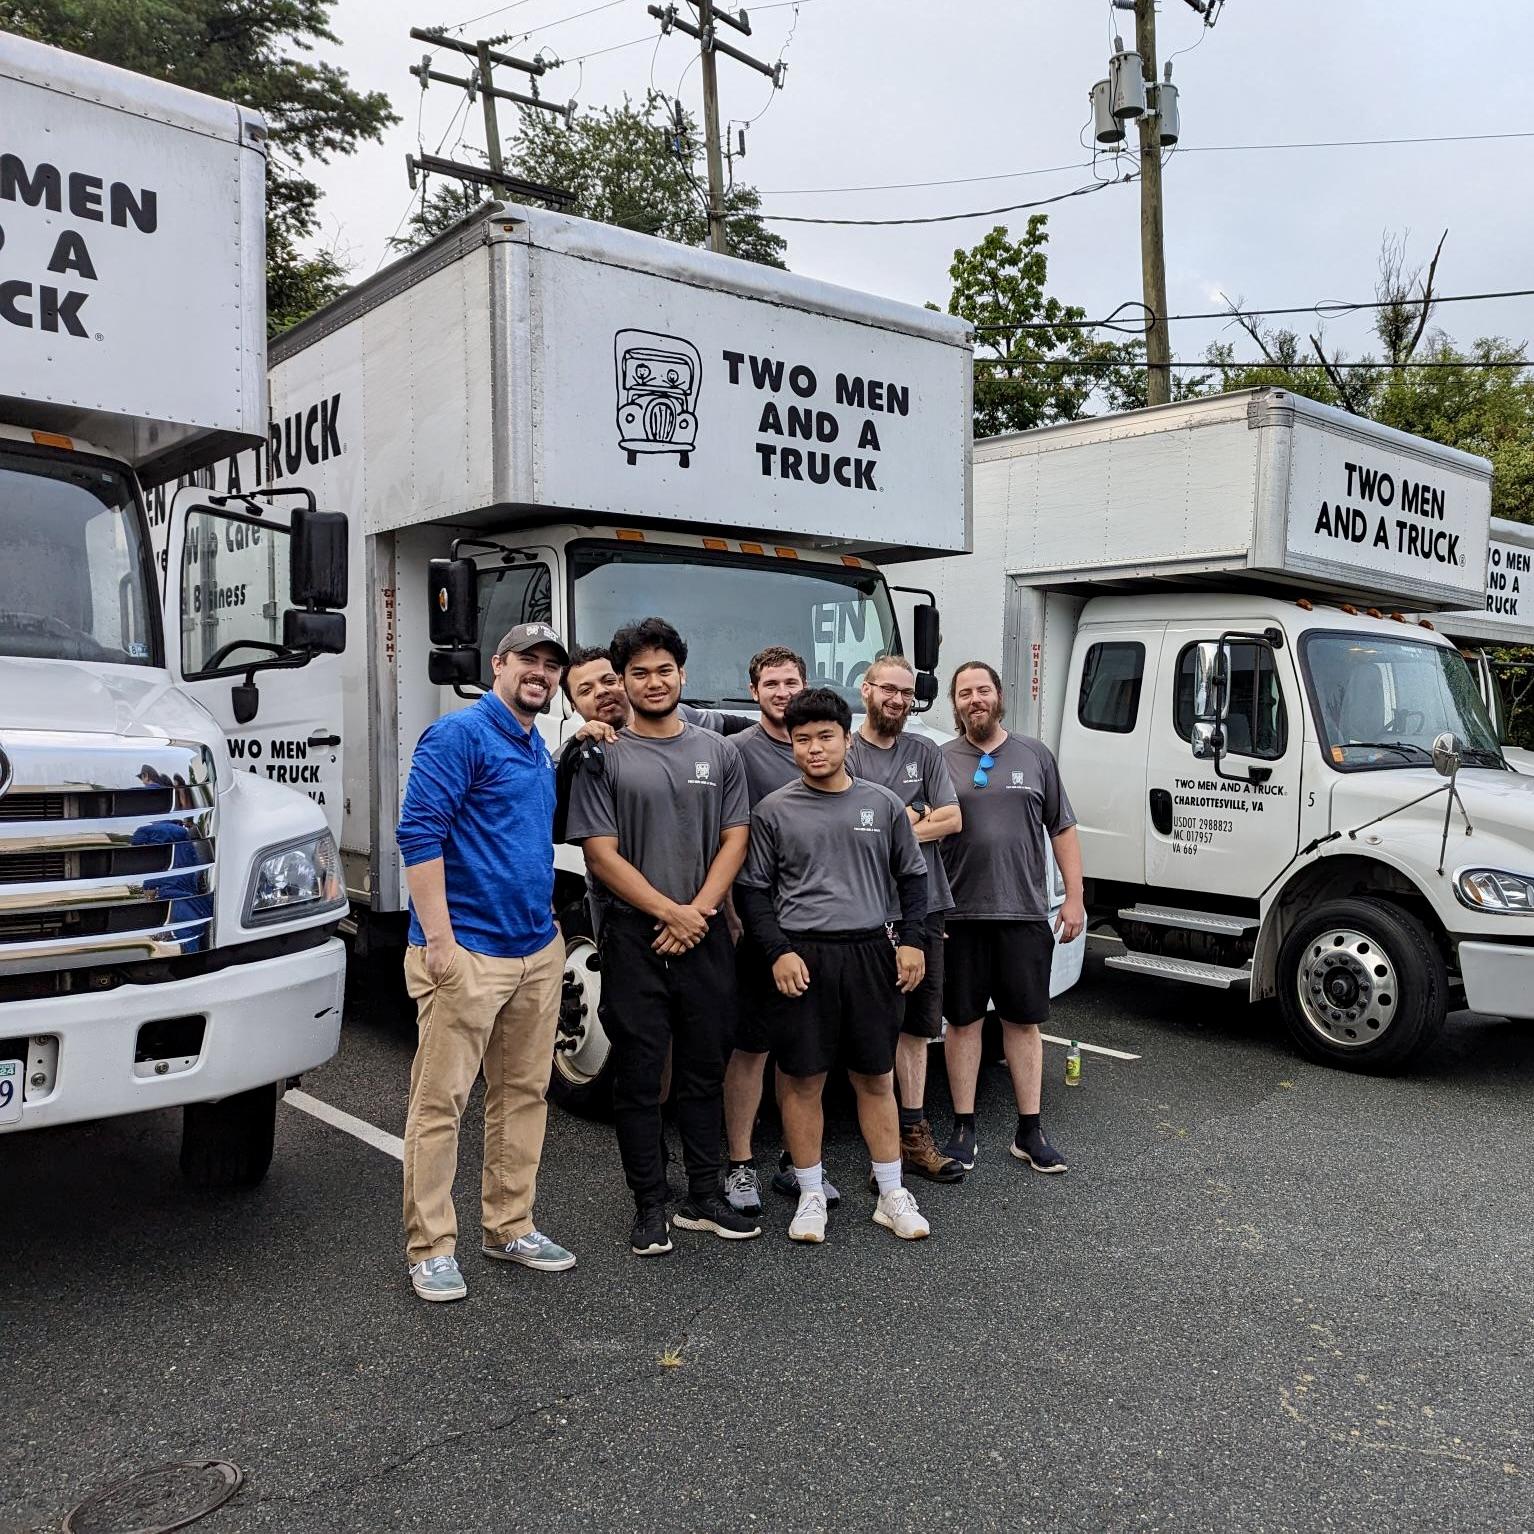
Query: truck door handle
x=1161 y=810
x=323 y=740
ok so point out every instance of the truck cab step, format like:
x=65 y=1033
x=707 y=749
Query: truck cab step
x=1217 y=923
x=1193 y=971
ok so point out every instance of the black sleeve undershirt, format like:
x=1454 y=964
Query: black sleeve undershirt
x=913 y=907
x=755 y=909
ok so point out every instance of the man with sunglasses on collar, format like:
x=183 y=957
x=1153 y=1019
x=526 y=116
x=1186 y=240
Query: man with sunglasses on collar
x=1000 y=947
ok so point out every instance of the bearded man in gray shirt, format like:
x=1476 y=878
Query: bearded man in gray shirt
x=830 y=857
x=664 y=830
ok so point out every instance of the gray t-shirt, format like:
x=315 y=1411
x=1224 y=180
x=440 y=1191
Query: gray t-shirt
x=912 y=767
x=996 y=864
x=830 y=860
x=667 y=801
x=769 y=763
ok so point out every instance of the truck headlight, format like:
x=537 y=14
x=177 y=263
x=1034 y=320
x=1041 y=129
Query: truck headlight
x=295 y=879
x=1495 y=891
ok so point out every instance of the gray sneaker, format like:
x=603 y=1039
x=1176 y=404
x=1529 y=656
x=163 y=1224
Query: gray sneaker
x=743 y=1190
x=437 y=1279
x=534 y=1250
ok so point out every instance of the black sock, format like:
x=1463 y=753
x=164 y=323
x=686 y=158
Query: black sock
x=911 y=1117
x=1028 y=1128
x=964 y=1121
x=735 y=1165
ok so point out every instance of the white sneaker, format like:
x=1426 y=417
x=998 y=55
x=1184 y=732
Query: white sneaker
x=809 y=1222
x=897 y=1212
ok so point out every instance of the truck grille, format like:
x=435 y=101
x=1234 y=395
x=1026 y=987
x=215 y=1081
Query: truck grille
x=107 y=851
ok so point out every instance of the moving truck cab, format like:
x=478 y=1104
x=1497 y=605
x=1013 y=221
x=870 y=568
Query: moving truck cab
x=166 y=923
x=1284 y=785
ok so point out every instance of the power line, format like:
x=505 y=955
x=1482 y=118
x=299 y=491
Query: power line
x=1012 y=175
x=945 y=218
x=1326 y=309
x=596 y=53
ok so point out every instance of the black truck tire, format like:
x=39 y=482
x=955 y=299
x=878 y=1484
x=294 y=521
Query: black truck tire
x=228 y=1144
x=1362 y=985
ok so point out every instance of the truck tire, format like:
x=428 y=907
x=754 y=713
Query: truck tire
x=228 y=1144
x=580 y=1078
x=1362 y=985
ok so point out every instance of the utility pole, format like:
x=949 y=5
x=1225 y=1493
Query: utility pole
x=716 y=239
x=1158 y=345
x=710 y=43
x=482 y=83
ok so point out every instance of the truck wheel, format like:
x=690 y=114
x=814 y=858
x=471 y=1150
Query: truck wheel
x=580 y=1080
x=228 y=1144
x=1362 y=985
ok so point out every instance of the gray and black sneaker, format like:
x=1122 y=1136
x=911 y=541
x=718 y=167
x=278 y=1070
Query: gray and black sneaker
x=437 y=1278
x=710 y=1211
x=742 y=1191
x=651 y=1235
x=784 y=1182
x=534 y=1250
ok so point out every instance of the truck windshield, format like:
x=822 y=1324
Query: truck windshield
x=1380 y=702
x=74 y=573
x=727 y=607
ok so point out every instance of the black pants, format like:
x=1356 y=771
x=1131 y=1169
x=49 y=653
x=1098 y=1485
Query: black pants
x=688 y=1002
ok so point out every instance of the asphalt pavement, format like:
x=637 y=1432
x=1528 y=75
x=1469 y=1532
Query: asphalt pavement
x=1267 y=1296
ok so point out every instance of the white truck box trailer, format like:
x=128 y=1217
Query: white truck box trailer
x=606 y=425
x=166 y=924
x=1497 y=639
x=1200 y=608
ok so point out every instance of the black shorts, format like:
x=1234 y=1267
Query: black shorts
x=1000 y=964
x=756 y=995
x=924 y=1006
x=849 y=1016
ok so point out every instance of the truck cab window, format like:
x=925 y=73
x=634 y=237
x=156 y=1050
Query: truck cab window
x=74 y=571
x=509 y=595
x=1110 y=686
x=1256 y=723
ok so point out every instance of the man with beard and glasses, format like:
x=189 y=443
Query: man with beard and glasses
x=912 y=767
x=664 y=829
x=776 y=676
x=831 y=855
x=485 y=962
x=1000 y=948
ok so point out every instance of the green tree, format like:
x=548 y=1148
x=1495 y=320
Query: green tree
x=257 y=53
x=631 y=165
x=1033 y=366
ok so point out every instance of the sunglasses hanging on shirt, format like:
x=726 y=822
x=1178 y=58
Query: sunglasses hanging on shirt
x=983 y=771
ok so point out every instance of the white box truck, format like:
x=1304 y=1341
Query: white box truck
x=1497 y=639
x=537 y=418
x=166 y=923
x=1199 y=607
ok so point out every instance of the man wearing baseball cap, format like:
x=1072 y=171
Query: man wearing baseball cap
x=485 y=961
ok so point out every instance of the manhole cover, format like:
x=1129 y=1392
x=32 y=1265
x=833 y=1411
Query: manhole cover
x=156 y=1501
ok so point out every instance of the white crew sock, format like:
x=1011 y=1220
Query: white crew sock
x=887 y=1175
x=810 y=1178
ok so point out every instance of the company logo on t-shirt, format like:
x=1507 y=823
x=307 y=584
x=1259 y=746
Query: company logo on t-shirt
x=866 y=821
x=700 y=774
x=1019 y=780
x=912 y=772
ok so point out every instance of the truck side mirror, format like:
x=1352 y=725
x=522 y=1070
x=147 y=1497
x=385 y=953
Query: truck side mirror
x=1447 y=754
x=455 y=668
x=1207 y=740
x=1211 y=670
x=317 y=560
x=926 y=637
x=926 y=691
x=452 y=615
x=314 y=633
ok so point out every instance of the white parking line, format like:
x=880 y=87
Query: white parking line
x=1093 y=1049
x=390 y=1145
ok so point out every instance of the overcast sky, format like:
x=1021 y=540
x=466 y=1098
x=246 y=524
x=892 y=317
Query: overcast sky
x=882 y=91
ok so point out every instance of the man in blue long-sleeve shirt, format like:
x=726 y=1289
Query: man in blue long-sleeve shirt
x=485 y=961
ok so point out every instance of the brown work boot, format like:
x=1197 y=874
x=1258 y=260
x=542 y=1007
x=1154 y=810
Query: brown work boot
x=920 y=1157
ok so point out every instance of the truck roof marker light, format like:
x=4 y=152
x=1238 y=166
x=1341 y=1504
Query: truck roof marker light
x=786 y=553
x=852 y=561
x=54 y=439
x=631 y=535
x=1349 y=609
x=1398 y=617
x=1305 y=605
x=715 y=543
x=1373 y=612
x=1422 y=623
x=752 y=548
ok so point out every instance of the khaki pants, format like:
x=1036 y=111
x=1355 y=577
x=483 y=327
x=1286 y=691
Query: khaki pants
x=499 y=1015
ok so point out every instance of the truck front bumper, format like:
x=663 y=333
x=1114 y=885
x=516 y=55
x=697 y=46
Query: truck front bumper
x=263 y=1021
x=1498 y=978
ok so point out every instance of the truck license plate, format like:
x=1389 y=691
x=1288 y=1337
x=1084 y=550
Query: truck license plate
x=10 y=1091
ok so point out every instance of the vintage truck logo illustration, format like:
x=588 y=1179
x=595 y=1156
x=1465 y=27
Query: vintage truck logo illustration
x=658 y=378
